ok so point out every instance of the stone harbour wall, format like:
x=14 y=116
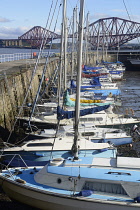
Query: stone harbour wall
x=15 y=82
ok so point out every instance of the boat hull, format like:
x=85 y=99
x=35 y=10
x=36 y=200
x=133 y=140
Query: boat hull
x=50 y=201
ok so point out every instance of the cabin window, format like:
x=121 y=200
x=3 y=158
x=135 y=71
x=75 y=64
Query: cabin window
x=39 y=144
x=59 y=181
x=88 y=134
x=104 y=187
x=91 y=119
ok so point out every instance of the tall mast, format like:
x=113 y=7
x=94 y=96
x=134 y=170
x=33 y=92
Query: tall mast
x=73 y=37
x=86 y=38
x=98 y=43
x=65 y=44
x=78 y=81
x=61 y=51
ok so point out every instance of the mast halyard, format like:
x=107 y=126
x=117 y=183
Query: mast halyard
x=78 y=80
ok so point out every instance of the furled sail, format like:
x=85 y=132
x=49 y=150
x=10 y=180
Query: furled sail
x=61 y=114
x=93 y=85
x=91 y=68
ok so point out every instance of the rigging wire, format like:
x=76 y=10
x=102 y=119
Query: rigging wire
x=129 y=16
x=126 y=9
x=34 y=71
x=45 y=67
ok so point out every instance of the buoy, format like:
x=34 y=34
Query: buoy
x=126 y=111
x=137 y=199
x=132 y=111
x=34 y=54
x=85 y=193
x=21 y=181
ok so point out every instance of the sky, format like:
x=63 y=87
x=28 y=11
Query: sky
x=17 y=17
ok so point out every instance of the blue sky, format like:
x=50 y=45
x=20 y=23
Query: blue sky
x=17 y=17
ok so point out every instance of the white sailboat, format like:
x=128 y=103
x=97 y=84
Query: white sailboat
x=85 y=183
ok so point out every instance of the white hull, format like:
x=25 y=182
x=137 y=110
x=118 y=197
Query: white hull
x=135 y=62
x=50 y=201
x=98 y=119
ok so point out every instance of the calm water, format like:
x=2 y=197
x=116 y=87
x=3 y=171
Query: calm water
x=130 y=91
x=16 y=50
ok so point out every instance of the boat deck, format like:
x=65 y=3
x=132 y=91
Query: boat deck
x=27 y=175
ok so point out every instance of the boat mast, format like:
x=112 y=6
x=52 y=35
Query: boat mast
x=78 y=81
x=86 y=38
x=61 y=51
x=98 y=43
x=65 y=43
x=73 y=38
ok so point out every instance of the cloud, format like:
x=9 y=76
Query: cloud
x=118 y=10
x=4 y=20
x=12 y=33
x=58 y=31
x=97 y=16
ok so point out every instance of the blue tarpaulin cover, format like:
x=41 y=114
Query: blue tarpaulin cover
x=91 y=68
x=115 y=72
x=105 y=62
x=95 y=82
x=61 y=114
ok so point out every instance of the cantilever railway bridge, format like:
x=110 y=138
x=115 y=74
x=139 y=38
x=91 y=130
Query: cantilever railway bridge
x=109 y=32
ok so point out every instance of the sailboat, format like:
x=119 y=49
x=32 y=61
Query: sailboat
x=86 y=183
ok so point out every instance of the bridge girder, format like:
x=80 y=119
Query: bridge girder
x=38 y=35
x=109 y=32
x=112 y=32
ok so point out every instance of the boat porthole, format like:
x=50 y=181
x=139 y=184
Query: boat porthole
x=59 y=181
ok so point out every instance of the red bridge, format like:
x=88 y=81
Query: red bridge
x=110 y=32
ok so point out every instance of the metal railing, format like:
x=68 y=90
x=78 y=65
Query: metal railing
x=21 y=56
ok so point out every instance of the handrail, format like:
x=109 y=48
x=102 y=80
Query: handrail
x=14 y=155
x=21 y=56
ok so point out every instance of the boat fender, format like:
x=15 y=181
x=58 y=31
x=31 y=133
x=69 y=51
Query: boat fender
x=39 y=154
x=137 y=199
x=21 y=181
x=103 y=150
x=85 y=193
x=29 y=105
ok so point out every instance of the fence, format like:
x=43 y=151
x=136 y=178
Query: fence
x=20 y=56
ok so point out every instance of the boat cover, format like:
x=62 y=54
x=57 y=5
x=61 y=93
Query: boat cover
x=61 y=114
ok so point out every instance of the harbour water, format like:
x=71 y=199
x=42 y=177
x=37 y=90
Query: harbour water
x=130 y=95
x=130 y=91
x=23 y=50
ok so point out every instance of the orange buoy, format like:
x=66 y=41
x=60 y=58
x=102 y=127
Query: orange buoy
x=34 y=54
x=83 y=66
